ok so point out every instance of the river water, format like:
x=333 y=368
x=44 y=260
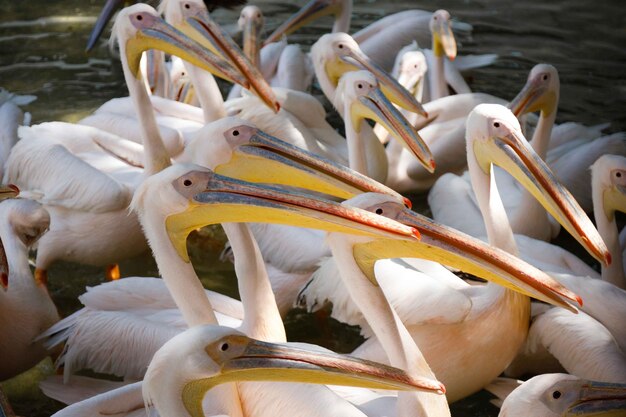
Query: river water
x=42 y=53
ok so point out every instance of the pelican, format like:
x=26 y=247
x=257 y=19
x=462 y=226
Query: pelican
x=11 y=117
x=91 y=187
x=556 y=395
x=283 y=65
x=494 y=316
x=26 y=308
x=195 y=361
x=380 y=40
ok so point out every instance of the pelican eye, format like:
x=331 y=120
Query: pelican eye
x=340 y=46
x=496 y=124
x=258 y=16
x=139 y=17
x=360 y=85
x=556 y=395
x=618 y=174
x=545 y=77
x=224 y=347
x=187 y=183
x=379 y=211
x=235 y=133
x=187 y=6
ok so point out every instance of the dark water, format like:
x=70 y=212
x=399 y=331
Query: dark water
x=42 y=53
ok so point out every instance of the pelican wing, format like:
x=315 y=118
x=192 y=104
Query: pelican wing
x=80 y=388
x=53 y=175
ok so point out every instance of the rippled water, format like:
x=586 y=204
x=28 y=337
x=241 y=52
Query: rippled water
x=42 y=53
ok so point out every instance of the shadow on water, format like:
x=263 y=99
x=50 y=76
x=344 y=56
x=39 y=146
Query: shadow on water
x=42 y=53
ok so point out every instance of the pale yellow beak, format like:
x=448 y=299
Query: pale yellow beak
x=599 y=399
x=252 y=41
x=200 y=27
x=313 y=10
x=375 y=106
x=154 y=33
x=450 y=247
x=259 y=157
x=245 y=359
x=535 y=96
x=443 y=38
x=513 y=153
x=229 y=200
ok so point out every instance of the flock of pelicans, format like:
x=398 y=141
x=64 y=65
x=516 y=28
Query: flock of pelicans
x=146 y=170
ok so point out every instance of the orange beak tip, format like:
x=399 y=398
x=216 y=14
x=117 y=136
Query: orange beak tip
x=579 y=300
x=416 y=233
x=432 y=164
x=407 y=203
x=425 y=114
x=14 y=188
x=609 y=259
x=442 y=389
x=277 y=106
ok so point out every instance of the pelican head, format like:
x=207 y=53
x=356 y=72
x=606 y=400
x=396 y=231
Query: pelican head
x=187 y=197
x=494 y=136
x=24 y=222
x=360 y=91
x=412 y=68
x=608 y=178
x=314 y=10
x=450 y=247
x=540 y=93
x=443 y=38
x=192 y=18
x=337 y=53
x=238 y=149
x=139 y=28
x=251 y=23
x=557 y=395
x=193 y=362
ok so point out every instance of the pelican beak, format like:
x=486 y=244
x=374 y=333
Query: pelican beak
x=443 y=39
x=252 y=41
x=412 y=81
x=450 y=247
x=352 y=59
x=110 y=7
x=313 y=10
x=512 y=152
x=154 y=33
x=200 y=27
x=244 y=359
x=228 y=200
x=599 y=399
x=375 y=106
x=259 y=157
x=534 y=96
x=8 y=191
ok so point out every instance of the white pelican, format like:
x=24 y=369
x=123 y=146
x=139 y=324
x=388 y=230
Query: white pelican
x=26 y=308
x=482 y=321
x=283 y=65
x=557 y=395
x=194 y=362
x=79 y=184
x=11 y=117
x=380 y=40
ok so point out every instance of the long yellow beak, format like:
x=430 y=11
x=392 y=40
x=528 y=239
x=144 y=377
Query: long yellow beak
x=259 y=157
x=199 y=26
x=245 y=359
x=512 y=152
x=443 y=38
x=599 y=399
x=228 y=200
x=351 y=59
x=450 y=247
x=154 y=33
x=311 y=11
x=375 y=106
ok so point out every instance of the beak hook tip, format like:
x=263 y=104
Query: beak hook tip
x=17 y=190
x=407 y=203
x=416 y=233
